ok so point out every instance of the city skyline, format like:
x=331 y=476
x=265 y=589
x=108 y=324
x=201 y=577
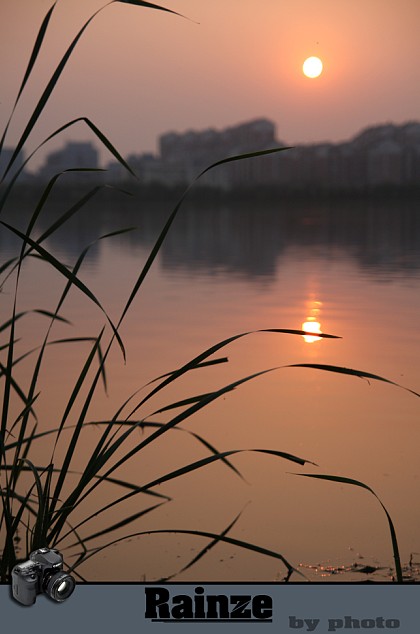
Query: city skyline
x=136 y=72
x=376 y=156
x=105 y=159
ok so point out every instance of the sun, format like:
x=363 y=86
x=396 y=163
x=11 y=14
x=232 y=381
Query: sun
x=312 y=67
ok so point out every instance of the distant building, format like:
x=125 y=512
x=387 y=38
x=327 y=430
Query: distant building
x=195 y=151
x=5 y=156
x=384 y=164
x=74 y=155
x=153 y=169
x=115 y=173
x=410 y=138
x=378 y=156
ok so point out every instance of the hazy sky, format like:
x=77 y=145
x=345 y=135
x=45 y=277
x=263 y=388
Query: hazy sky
x=138 y=72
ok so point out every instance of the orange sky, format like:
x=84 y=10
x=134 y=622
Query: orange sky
x=138 y=72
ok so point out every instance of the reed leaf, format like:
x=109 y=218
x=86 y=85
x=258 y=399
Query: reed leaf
x=49 y=515
x=40 y=518
x=204 y=364
x=357 y=483
x=198 y=360
x=57 y=73
x=78 y=427
x=19 y=391
x=73 y=502
x=200 y=439
x=94 y=129
x=152 y=257
x=66 y=216
x=122 y=483
x=5 y=266
x=8 y=558
x=204 y=550
x=35 y=51
x=39 y=311
x=358 y=373
x=47 y=93
x=68 y=274
x=182 y=403
x=156 y=248
x=105 y=457
x=124 y=522
x=26 y=410
x=150 y=5
x=208 y=535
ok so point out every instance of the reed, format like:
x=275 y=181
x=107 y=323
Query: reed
x=41 y=513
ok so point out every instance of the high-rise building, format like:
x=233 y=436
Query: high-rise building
x=5 y=156
x=74 y=155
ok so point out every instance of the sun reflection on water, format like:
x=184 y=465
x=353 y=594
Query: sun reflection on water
x=312 y=325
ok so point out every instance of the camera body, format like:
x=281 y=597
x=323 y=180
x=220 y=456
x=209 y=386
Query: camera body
x=41 y=573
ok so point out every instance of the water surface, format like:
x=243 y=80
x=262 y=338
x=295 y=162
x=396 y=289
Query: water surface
x=353 y=268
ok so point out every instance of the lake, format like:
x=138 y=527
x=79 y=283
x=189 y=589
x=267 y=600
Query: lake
x=350 y=269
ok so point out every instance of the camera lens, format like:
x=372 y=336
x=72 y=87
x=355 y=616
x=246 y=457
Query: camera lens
x=60 y=586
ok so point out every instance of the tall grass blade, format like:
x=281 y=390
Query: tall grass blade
x=53 y=316
x=109 y=146
x=240 y=157
x=41 y=203
x=156 y=248
x=24 y=449
x=66 y=273
x=8 y=558
x=204 y=364
x=78 y=385
x=31 y=63
x=204 y=550
x=182 y=403
x=228 y=540
x=41 y=506
x=124 y=522
x=47 y=93
x=94 y=128
x=122 y=483
x=78 y=428
x=156 y=425
x=11 y=381
x=200 y=439
x=82 y=545
x=359 y=373
x=357 y=483
x=8 y=376
x=41 y=526
x=26 y=410
x=58 y=71
x=73 y=209
x=172 y=423
x=76 y=497
x=151 y=5
x=45 y=342
x=199 y=464
x=198 y=360
x=5 y=266
x=141 y=425
x=40 y=311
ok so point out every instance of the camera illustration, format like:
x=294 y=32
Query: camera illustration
x=41 y=573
